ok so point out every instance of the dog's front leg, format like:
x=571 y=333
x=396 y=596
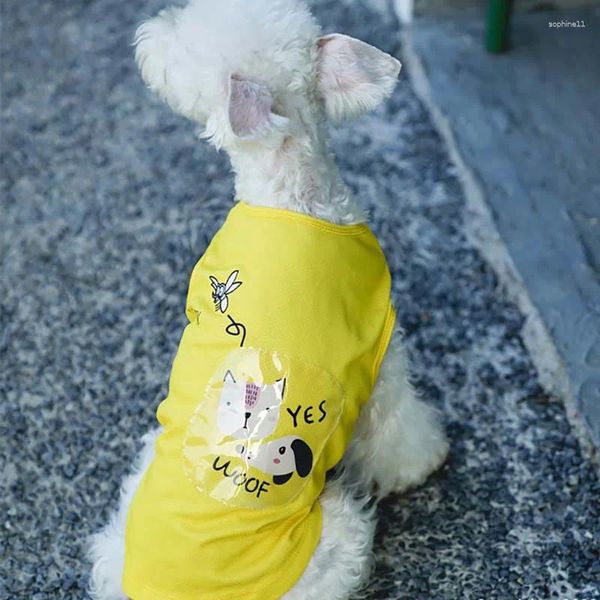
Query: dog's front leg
x=398 y=439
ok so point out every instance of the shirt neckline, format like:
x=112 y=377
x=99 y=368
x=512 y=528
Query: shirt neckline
x=281 y=213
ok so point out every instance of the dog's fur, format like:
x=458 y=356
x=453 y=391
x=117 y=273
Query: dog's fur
x=261 y=81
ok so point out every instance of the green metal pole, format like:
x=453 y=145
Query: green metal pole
x=497 y=28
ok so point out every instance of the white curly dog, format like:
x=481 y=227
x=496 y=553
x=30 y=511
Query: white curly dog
x=272 y=123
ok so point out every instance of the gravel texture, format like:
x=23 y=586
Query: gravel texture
x=108 y=200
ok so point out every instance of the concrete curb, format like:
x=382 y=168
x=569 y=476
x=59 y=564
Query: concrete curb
x=485 y=236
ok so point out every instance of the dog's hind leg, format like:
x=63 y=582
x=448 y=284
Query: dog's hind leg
x=342 y=561
x=107 y=547
x=398 y=440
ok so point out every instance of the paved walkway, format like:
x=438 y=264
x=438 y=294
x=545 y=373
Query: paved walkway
x=527 y=124
x=107 y=201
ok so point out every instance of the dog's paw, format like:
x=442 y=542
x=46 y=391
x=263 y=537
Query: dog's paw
x=413 y=468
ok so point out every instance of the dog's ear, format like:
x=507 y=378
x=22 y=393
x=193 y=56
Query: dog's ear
x=353 y=77
x=250 y=109
x=168 y=66
x=303 y=455
x=281 y=479
x=280 y=387
x=153 y=46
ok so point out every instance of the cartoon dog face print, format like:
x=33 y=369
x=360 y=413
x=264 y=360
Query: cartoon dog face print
x=258 y=433
x=280 y=458
x=247 y=409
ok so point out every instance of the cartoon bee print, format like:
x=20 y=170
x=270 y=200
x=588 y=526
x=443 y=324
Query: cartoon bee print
x=221 y=291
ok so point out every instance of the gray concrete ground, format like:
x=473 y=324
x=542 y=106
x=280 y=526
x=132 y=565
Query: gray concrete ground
x=107 y=201
x=477 y=7
x=527 y=124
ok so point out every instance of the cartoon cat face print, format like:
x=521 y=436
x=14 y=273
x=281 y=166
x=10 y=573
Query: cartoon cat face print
x=247 y=409
x=281 y=458
x=230 y=416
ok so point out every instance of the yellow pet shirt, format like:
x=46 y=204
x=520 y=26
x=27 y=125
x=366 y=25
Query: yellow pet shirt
x=290 y=317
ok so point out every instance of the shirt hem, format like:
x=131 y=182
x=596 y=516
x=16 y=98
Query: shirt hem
x=274 y=589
